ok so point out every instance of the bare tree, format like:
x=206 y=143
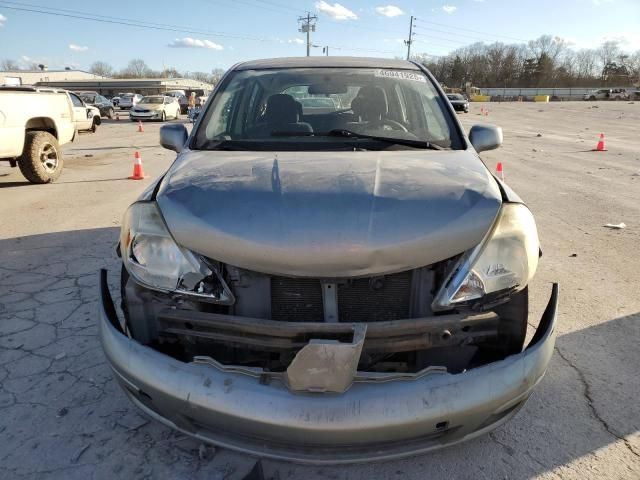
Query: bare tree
x=136 y=68
x=608 y=52
x=101 y=68
x=8 y=64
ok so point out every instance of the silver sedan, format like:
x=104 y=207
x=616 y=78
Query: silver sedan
x=328 y=285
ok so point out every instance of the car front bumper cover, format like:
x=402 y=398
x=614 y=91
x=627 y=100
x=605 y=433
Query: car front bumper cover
x=371 y=420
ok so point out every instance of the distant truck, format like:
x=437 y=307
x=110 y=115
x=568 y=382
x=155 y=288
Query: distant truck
x=34 y=123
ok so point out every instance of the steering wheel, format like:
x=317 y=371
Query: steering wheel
x=393 y=124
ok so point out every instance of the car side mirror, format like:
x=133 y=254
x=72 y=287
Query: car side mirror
x=173 y=137
x=485 y=137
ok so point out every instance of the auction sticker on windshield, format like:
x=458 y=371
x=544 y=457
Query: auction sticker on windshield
x=402 y=75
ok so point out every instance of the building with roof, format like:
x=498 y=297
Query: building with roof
x=31 y=77
x=144 y=86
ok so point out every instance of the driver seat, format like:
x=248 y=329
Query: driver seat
x=281 y=115
x=370 y=107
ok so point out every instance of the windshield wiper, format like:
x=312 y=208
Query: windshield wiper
x=232 y=145
x=338 y=132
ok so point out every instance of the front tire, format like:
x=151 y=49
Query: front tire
x=110 y=113
x=94 y=126
x=163 y=117
x=41 y=160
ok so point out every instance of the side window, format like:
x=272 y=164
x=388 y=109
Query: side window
x=424 y=115
x=222 y=123
x=76 y=100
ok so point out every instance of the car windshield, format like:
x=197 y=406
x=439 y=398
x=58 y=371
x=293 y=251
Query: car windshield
x=151 y=100
x=325 y=109
x=88 y=98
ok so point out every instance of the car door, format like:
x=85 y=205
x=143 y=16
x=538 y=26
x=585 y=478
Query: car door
x=80 y=116
x=173 y=107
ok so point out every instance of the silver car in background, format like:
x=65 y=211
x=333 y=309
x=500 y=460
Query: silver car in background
x=328 y=285
x=129 y=100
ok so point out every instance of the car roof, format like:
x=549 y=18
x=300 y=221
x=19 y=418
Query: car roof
x=328 y=62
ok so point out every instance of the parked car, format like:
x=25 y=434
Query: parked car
x=129 y=100
x=155 y=107
x=317 y=105
x=619 y=94
x=86 y=117
x=174 y=93
x=116 y=99
x=607 y=94
x=36 y=122
x=328 y=287
x=458 y=102
x=105 y=106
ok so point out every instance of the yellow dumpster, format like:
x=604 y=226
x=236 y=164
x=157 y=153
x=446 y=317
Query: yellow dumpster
x=541 y=98
x=480 y=98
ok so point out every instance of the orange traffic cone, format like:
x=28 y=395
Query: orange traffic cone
x=500 y=171
x=486 y=112
x=140 y=128
x=138 y=172
x=600 y=146
x=481 y=110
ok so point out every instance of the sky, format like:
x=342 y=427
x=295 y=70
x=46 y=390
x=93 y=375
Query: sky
x=201 y=35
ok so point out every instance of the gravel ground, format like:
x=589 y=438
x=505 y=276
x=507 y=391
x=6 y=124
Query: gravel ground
x=63 y=416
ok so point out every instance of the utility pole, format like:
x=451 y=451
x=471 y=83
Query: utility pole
x=308 y=27
x=410 y=40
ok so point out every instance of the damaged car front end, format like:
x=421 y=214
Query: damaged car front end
x=328 y=287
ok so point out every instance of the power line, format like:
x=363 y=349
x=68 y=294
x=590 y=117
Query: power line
x=119 y=21
x=456 y=34
x=448 y=40
x=455 y=28
x=248 y=3
x=80 y=15
x=276 y=4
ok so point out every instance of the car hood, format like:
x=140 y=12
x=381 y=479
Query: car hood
x=149 y=106
x=329 y=214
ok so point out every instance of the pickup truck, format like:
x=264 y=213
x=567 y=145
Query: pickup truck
x=34 y=123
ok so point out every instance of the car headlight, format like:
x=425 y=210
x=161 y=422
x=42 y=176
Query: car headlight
x=504 y=262
x=153 y=258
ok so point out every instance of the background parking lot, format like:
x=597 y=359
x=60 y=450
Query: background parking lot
x=63 y=416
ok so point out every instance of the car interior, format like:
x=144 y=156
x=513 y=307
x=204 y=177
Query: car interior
x=277 y=105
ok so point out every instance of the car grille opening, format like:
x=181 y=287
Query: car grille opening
x=359 y=300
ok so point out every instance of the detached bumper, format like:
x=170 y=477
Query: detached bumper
x=372 y=420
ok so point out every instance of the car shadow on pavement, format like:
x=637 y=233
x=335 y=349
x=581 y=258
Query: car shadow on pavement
x=59 y=400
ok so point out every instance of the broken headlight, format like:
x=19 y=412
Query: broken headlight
x=153 y=258
x=504 y=262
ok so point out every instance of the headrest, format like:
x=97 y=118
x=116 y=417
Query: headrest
x=281 y=108
x=370 y=104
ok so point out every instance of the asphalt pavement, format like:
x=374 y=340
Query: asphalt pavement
x=62 y=416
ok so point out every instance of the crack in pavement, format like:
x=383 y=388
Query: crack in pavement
x=592 y=407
